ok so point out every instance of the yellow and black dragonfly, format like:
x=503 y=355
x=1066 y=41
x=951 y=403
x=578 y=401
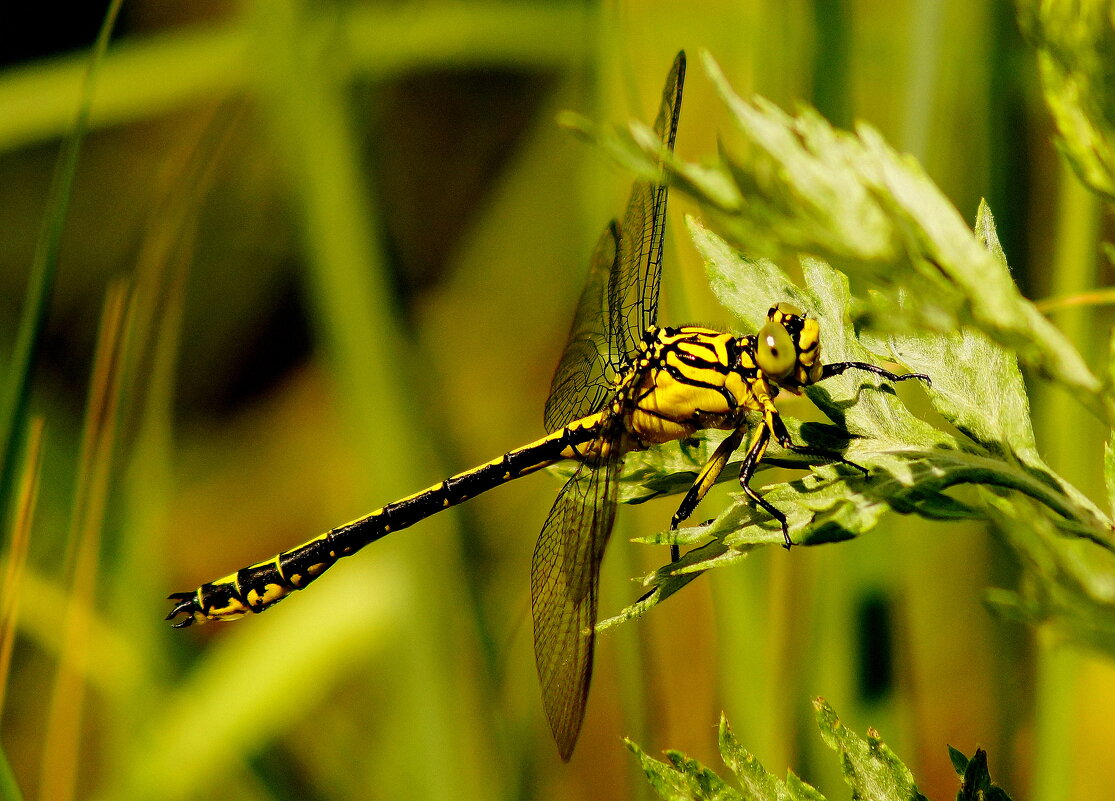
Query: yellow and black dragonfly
x=623 y=384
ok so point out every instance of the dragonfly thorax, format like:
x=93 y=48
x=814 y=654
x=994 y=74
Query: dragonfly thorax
x=691 y=378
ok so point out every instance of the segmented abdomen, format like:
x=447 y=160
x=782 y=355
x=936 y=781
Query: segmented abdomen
x=255 y=588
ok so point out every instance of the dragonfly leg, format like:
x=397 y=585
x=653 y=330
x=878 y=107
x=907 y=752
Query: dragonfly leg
x=782 y=436
x=836 y=368
x=755 y=453
x=705 y=479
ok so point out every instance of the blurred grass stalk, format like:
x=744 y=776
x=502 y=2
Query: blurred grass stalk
x=1073 y=43
x=15 y=560
x=59 y=767
x=15 y=392
x=305 y=88
x=210 y=61
x=1059 y=420
x=61 y=755
x=309 y=68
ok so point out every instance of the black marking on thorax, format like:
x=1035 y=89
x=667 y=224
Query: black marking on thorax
x=747 y=363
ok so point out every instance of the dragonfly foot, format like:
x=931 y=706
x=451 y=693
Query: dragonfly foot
x=787 y=543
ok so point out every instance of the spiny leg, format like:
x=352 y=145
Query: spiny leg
x=705 y=479
x=755 y=452
x=828 y=371
x=836 y=368
x=782 y=436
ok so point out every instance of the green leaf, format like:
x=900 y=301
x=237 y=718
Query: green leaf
x=756 y=782
x=801 y=790
x=684 y=779
x=865 y=404
x=1068 y=582
x=9 y=788
x=808 y=189
x=959 y=761
x=852 y=200
x=670 y=578
x=917 y=287
x=871 y=769
x=746 y=286
x=976 y=784
x=977 y=387
x=1075 y=43
x=977 y=384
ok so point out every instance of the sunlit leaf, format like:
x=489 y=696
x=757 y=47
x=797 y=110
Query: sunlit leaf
x=807 y=189
x=977 y=386
x=1075 y=43
x=756 y=781
x=682 y=779
x=871 y=769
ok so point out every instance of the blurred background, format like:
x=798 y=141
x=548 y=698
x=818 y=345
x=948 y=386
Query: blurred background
x=328 y=254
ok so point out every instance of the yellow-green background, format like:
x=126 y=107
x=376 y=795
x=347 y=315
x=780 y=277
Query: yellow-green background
x=381 y=234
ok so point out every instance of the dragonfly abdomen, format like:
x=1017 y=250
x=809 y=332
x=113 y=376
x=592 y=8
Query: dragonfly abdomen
x=257 y=587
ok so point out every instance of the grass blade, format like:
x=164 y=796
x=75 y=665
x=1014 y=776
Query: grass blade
x=13 y=404
x=61 y=742
x=9 y=790
x=16 y=560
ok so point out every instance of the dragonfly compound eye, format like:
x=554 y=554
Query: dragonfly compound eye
x=775 y=353
x=783 y=309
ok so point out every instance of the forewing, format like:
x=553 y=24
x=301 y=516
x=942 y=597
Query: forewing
x=564 y=579
x=633 y=284
x=584 y=375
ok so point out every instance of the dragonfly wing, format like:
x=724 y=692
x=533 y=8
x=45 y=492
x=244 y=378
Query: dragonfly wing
x=620 y=298
x=633 y=283
x=565 y=571
x=583 y=376
x=564 y=579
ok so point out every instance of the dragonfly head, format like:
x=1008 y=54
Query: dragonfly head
x=788 y=347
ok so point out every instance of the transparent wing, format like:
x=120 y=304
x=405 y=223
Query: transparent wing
x=564 y=578
x=583 y=376
x=565 y=572
x=633 y=283
x=620 y=298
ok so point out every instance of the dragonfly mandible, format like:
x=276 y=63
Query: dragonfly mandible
x=623 y=384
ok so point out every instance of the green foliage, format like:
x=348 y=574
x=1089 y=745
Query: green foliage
x=16 y=388
x=977 y=387
x=940 y=301
x=976 y=784
x=806 y=188
x=869 y=767
x=9 y=790
x=1075 y=43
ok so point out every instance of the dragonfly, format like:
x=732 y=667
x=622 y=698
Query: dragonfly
x=623 y=384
